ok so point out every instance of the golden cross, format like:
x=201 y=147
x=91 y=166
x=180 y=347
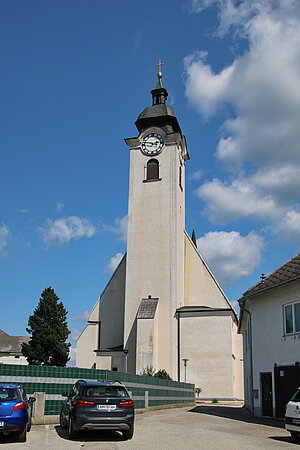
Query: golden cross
x=159 y=64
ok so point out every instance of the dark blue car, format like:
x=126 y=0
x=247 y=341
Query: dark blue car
x=15 y=411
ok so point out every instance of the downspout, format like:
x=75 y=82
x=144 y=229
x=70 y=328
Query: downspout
x=251 y=359
x=178 y=346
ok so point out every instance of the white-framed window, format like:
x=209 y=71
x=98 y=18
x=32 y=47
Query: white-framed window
x=292 y=318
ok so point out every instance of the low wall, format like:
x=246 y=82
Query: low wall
x=147 y=392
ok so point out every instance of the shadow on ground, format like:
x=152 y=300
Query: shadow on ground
x=235 y=413
x=91 y=436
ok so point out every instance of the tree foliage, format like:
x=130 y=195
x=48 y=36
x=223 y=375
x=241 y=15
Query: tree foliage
x=49 y=331
x=149 y=371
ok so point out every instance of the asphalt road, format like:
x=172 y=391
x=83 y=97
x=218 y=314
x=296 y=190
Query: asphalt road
x=203 y=427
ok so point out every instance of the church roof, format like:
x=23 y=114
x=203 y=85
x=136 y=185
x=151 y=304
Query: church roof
x=289 y=272
x=159 y=114
x=197 y=308
x=11 y=344
x=147 y=308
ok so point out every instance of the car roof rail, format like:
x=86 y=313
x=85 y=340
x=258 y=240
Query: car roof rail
x=118 y=381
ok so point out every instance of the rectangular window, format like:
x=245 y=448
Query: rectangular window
x=292 y=318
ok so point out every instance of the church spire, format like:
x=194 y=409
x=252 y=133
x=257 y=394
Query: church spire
x=159 y=114
x=194 y=237
x=159 y=93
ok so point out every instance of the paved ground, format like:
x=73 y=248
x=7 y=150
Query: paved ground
x=205 y=426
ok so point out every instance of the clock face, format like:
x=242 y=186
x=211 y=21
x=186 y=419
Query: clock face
x=152 y=144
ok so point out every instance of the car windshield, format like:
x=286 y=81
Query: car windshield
x=296 y=397
x=105 y=391
x=7 y=394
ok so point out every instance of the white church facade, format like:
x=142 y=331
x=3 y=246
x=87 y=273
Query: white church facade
x=163 y=305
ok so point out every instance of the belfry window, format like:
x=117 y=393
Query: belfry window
x=152 y=170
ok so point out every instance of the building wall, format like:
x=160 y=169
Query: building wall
x=12 y=359
x=86 y=344
x=155 y=246
x=112 y=309
x=206 y=342
x=200 y=286
x=269 y=344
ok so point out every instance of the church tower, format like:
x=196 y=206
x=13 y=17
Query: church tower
x=155 y=242
x=163 y=307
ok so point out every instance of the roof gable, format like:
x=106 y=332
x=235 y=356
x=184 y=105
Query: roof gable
x=287 y=273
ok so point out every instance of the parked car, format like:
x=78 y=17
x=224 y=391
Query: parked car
x=98 y=405
x=292 y=416
x=15 y=411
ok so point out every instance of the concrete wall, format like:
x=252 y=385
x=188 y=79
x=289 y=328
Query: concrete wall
x=269 y=343
x=200 y=287
x=87 y=342
x=112 y=309
x=155 y=245
x=12 y=359
x=206 y=340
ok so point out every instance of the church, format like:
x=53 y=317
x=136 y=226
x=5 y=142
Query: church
x=163 y=306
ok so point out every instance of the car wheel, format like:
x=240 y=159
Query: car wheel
x=62 y=420
x=72 y=433
x=23 y=435
x=128 y=434
x=295 y=436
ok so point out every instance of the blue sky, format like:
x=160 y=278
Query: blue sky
x=74 y=77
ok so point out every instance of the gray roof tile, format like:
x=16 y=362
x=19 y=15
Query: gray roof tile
x=290 y=271
x=147 y=308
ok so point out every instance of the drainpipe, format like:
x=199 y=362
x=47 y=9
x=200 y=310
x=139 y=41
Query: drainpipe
x=178 y=346
x=251 y=359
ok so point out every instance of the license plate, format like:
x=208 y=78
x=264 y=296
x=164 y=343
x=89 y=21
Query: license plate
x=106 y=407
x=296 y=421
x=1 y=424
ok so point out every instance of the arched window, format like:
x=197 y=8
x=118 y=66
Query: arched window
x=152 y=169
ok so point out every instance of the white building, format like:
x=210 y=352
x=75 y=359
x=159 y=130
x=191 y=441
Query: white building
x=162 y=304
x=270 y=324
x=11 y=349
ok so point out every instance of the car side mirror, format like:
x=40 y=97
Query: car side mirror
x=31 y=399
x=65 y=394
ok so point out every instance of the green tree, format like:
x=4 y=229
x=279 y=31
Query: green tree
x=49 y=331
x=149 y=371
x=162 y=373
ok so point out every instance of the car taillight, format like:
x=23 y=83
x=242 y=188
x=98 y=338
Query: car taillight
x=81 y=402
x=129 y=403
x=19 y=405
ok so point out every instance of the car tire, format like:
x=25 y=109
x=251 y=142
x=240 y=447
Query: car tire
x=62 y=421
x=71 y=432
x=23 y=435
x=128 y=434
x=295 y=436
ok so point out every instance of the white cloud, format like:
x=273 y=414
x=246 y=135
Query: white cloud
x=288 y=230
x=61 y=231
x=261 y=85
x=114 y=262
x=238 y=200
x=4 y=235
x=59 y=207
x=230 y=255
x=197 y=175
x=81 y=315
x=74 y=335
x=72 y=355
x=120 y=227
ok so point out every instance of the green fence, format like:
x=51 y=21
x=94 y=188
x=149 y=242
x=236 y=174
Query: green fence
x=55 y=380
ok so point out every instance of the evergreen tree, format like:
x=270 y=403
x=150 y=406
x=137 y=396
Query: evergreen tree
x=49 y=330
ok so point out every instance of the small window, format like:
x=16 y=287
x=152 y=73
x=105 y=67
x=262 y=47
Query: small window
x=292 y=318
x=152 y=169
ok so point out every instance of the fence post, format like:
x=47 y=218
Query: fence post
x=39 y=408
x=146 y=400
